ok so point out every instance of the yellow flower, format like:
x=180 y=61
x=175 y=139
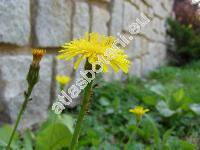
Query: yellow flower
x=139 y=111
x=37 y=56
x=92 y=47
x=63 y=80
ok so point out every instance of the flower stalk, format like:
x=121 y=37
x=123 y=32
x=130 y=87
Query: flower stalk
x=83 y=112
x=100 y=52
x=32 y=78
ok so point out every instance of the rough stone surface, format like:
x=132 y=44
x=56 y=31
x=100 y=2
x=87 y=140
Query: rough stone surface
x=81 y=22
x=131 y=13
x=14 y=22
x=158 y=9
x=53 y=22
x=116 y=17
x=13 y=75
x=100 y=18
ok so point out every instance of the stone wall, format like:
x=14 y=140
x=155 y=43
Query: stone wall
x=50 y=23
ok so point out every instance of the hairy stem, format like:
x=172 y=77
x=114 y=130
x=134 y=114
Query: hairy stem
x=82 y=113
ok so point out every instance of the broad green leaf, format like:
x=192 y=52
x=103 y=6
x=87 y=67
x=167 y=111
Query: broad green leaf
x=28 y=144
x=149 y=100
x=195 y=108
x=104 y=101
x=158 y=89
x=186 y=145
x=174 y=144
x=66 y=120
x=54 y=137
x=164 y=110
x=5 y=133
x=179 y=95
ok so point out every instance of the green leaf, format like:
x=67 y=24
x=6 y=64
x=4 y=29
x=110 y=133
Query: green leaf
x=195 y=108
x=5 y=133
x=164 y=110
x=55 y=137
x=155 y=131
x=57 y=131
x=67 y=120
x=174 y=144
x=149 y=100
x=159 y=90
x=28 y=145
x=166 y=135
x=186 y=145
x=104 y=101
x=179 y=95
x=116 y=103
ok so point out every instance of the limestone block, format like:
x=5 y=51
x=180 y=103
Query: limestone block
x=158 y=9
x=148 y=31
x=131 y=13
x=15 y=22
x=116 y=15
x=100 y=19
x=53 y=22
x=135 y=48
x=81 y=19
x=155 y=58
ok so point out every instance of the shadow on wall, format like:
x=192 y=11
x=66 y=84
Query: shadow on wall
x=4 y=115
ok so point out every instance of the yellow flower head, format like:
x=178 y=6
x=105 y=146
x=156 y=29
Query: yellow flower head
x=93 y=47
x=63 y=80
x=139 y=111
x=37 y=56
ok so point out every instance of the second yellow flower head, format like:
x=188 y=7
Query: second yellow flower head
x=139 y=111
x=63 y=80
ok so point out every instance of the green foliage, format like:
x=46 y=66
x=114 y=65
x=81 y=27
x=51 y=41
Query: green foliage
x=5 y=133
x=57 y=132
x=54 y=134
x=114 y=126
x=28 y=141
x=186 y=78
x=187 y=42
x=171 y=94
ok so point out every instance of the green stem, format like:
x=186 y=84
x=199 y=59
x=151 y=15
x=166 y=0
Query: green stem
x=132 y=136
x=82 y=113
x=23 y=107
